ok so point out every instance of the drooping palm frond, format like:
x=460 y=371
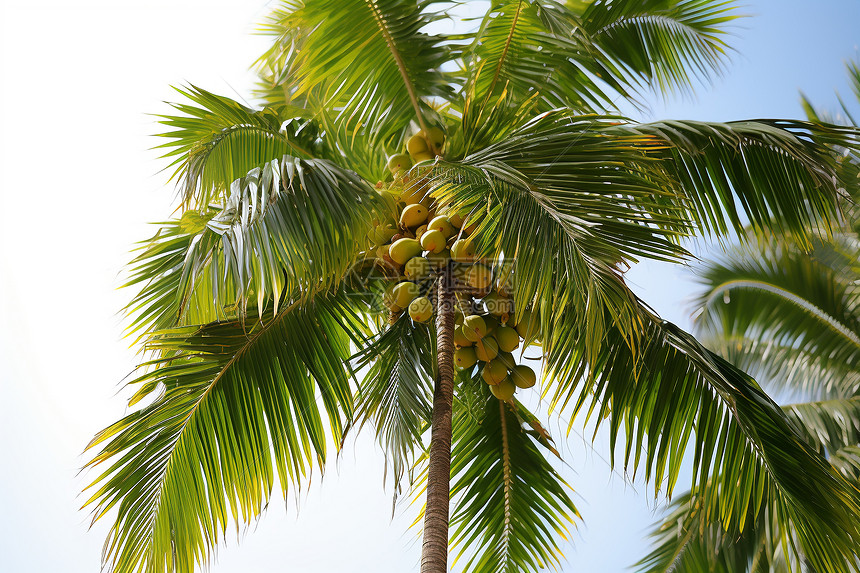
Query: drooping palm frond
x=776 y=172
x=747 y=454
x=785 y=314
x=395 y=395
x=512 y=509
x=292 y=226
x=573 y=198
x=214 y=140
x=239 y=407
x=686 y=543
x=368 y=62
x=670 y=42
x=828 y=425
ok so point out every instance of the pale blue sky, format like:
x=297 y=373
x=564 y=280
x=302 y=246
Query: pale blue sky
x=78 y=184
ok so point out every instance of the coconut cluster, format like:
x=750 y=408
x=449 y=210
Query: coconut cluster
x=424 y=240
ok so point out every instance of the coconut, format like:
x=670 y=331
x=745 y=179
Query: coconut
x=403 y=250
x=494 y=372
x=504 y=390
x=417 y=268
x=487 y=349
x=508 y=338
x=474 y=327
x=523 y=376
x=465 y=357
x=421 y=309
x=413 y=215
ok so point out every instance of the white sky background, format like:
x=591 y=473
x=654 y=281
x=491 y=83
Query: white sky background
x=78 y=185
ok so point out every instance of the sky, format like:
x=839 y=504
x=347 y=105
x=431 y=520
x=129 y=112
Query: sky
x=78 y=184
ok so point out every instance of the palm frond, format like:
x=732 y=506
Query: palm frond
x=529 y=48
x=512 y=509
x=157 y=272
x=828 y=425
x=687 y=543
x=747 y=454
x=215 y=140
x=670 y=42
x=396 y=394
x=778 y=173
x=237 y=408
x=368 y=62
x=789 y=315
x=293 y=226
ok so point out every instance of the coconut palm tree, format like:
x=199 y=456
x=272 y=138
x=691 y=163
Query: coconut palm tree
x=291 y=301
x=787 y=313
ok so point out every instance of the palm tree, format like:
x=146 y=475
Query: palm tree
x=787 y=313
x=270 y=326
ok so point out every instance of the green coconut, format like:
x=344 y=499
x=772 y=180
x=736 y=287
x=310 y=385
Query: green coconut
x=523 y=376
x=504 y=390
x=508 y=338
x=487 y=349
x=465 y=357
x=474 y=327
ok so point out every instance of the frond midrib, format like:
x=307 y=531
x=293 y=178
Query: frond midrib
x=813 y=310
x=181 y=433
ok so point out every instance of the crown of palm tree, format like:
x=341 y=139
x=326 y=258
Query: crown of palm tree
x=264 y=344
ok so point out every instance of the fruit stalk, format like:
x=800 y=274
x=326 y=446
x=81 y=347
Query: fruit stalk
x=434 y=550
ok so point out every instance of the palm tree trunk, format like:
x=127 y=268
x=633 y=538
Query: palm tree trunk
x=434 y=551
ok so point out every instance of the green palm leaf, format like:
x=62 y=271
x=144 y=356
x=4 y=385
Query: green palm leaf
x=215 y=140
x=367 y=63
x=293 y=226
x=511 y=506
x=529 y=49
x=396 y=393
x=687 y=543
x=775 y=172
x=747 y=454
x=669 y=42
x=240 y=405
x=784 y=314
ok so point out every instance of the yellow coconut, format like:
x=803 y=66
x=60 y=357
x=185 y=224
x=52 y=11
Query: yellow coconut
x=507 y=359
x=433 y=241
x=416 y=144
x=528 y=326
x=436 y=137
x=404 y=293
x=413 y=215
x=399 y=162
x=421 y=309
x=474 y=327
x=479 y=276
x=463 y=251
x=460 y=338
x=417 y=268
x=508 y=338
x=443 y=225
x=438 y=260
x=404 y=249
x=494 y=372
